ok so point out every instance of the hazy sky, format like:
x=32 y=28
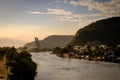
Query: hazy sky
x=25 y=19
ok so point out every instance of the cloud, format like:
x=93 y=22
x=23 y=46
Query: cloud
x=53 y=12
x=64 y=18
x=37 y=13
x=59 y=1
x=111 y=8
x=58 y=12
x=63 y=15
x=106 y=9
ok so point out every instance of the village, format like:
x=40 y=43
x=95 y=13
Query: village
x=90 y=52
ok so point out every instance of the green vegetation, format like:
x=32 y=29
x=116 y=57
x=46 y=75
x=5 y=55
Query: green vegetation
x=58 y=51
x=61 y=51
x=20 y=65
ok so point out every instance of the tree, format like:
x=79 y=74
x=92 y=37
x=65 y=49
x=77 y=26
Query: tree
x=56 y=50
x=20 y=64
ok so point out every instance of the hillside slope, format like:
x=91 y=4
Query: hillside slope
x=51 y=42
x=106 y=31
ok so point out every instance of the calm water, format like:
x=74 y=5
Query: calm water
x=51 y=67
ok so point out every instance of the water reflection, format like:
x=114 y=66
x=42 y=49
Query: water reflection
x=51 y=67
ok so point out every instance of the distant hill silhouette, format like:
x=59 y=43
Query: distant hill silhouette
x=106 y=31
x=51 y=41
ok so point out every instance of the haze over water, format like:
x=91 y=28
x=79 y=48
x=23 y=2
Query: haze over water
x=51 y=67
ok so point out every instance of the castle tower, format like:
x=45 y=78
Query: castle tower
x=37 y=43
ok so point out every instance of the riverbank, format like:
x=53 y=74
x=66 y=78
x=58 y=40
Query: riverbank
x=86 y=52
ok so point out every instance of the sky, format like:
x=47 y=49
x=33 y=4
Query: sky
x=26 y=19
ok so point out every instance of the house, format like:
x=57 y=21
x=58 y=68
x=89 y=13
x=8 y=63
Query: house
x=109 y=55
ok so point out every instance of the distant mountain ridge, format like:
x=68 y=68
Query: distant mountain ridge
x=106 y=31
x=51 y=41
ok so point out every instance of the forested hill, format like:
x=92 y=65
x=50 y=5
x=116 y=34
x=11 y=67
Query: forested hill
x=51 y=41
x=106 y=31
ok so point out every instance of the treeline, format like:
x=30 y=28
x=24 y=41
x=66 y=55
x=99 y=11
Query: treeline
x=62 y=51
x=18 y=64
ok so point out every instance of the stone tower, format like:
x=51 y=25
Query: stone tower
x=37 y=43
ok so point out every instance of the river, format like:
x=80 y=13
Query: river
x=51 y=67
